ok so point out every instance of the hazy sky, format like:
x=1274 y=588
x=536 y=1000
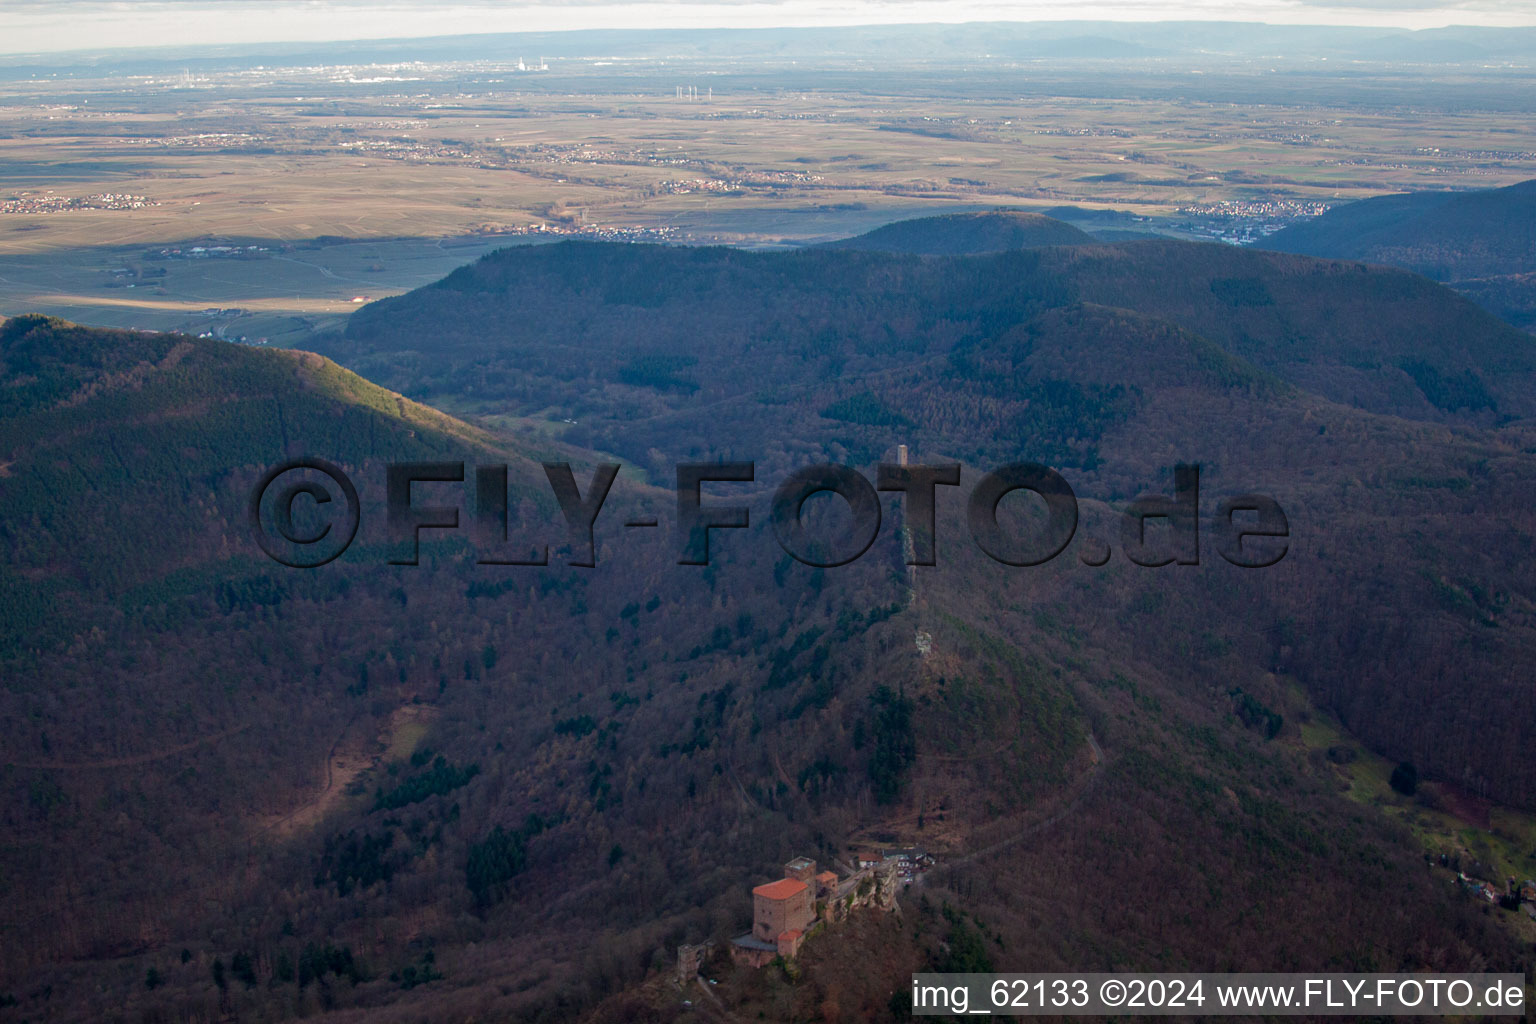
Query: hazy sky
x=51 y=25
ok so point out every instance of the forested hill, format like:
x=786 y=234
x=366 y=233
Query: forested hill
x=560 y=324
x=1443 y=235
x=128 y=457
x=960 y=233
x=1483 y=243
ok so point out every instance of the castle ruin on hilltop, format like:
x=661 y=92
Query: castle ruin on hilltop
x=786 y=911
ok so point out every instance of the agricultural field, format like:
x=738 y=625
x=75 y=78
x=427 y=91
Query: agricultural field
x=263 y=291
x=349 y=186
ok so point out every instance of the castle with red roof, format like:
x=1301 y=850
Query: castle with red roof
x=784 y=911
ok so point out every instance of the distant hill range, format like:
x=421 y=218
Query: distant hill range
x=1481 y=243
x=900 y=45
x=962 y=233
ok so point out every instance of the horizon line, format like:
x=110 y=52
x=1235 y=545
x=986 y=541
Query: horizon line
x=231 y=26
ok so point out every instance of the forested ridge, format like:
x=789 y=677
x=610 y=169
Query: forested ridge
x=1389 y=414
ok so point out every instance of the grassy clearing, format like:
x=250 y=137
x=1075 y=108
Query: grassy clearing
x=407 y=737
x=1441 y=819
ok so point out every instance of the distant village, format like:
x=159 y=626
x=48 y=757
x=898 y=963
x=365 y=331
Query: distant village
x=594 y=231
x=207 y=252
x=201 y=140
x=1246 y=221
x=496 y=155
x=761 y=179
x=49 y=202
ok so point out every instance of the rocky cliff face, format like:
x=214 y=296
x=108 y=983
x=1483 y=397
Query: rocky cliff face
x=871 y=887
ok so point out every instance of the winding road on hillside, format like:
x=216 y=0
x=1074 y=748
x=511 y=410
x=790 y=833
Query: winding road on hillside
x=1066 y=810
x=132 y=760
x=314 y=809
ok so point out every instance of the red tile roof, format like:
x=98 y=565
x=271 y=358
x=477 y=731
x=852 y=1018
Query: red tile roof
x=827 y=878
x=793 y=935
x=783 y=889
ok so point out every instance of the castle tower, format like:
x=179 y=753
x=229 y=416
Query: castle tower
x=780 y=907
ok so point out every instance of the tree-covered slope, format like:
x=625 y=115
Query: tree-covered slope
x=128 y=456
x=1447 y=236
x=207 y=750
x=1369 y=395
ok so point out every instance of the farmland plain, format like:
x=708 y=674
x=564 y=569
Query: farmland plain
x=366 y=180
